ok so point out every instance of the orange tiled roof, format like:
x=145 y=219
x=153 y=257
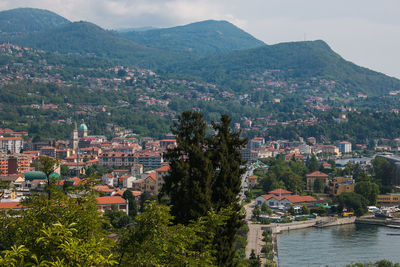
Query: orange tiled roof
x=279 y=191
x=110 y=200
x=292 y=199
x=164 y=168
x=10 y=205
x=152 y=175
x=317 y=174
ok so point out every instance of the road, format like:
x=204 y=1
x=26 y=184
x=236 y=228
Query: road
x=254 y=236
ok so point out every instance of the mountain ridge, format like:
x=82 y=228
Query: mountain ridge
x=29 y=20
x=200 y=38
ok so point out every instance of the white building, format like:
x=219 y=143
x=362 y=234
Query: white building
x=344 y=147
x=11 y=144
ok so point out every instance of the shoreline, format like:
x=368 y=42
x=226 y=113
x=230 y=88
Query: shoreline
x=322 y=222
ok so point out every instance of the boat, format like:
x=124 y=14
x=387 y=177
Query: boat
x=393 y=226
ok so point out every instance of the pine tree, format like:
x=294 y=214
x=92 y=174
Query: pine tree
x=188 y=183
x=227 y=162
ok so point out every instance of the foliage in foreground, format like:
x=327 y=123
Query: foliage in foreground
x=382 y=263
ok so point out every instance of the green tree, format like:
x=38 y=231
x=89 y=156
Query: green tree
x=291 y=210
x=132 y=208
x=305 y=210
x=188 y=184
x=155 y=241
x=226 y=158
x=383 y=174
x=118 y=218
x=264 y=207
x=64 y=170
x=353 y=202
x=318 y=186
x=312 y=163
x=48 y=165
x=256 y=211
x=368 y=190
x=62 y=229
x=254 y=261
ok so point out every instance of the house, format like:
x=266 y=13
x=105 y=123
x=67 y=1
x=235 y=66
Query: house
x=252 y=180
x=312 y=177
x=107 y=203
x=150 y=183
x=139 y=185
x=160 y=174
x=126 y=181
x=280 y=192
x=103 y=189
x=340 y=185
x=294 y=155
x=109 y=179
x=274 y=201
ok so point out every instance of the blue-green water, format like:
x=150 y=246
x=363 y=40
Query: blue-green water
x=338 y=245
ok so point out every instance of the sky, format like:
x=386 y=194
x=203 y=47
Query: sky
x=366 y=32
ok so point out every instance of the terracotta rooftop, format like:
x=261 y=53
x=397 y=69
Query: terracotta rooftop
x=10 y=205
x=163 y=168
x=110 y=200
x=279 y=192
x=292 y=199
x=317 y=174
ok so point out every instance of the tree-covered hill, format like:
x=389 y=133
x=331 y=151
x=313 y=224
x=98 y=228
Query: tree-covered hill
x=215 y=51
x=23 y=20
x=86 y=38
x=295 y=61
x=200 y=38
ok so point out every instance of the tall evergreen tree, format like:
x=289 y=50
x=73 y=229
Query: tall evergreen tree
x=188 y=183
x=228 y=168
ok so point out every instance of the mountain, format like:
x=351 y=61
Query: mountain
x=23 y=20
x=200 y=38
x=295 y=61
x=86 y=38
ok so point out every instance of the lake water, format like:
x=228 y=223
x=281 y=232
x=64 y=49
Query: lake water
x=338 y=245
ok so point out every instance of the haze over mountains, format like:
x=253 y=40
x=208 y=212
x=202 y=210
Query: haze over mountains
x=215 y=51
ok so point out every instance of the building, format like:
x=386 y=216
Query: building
x=117 y=159
x=11 y=144
x=344 y=147
x=150 y=183
x=252 y=180
x=340 y=185
x=256 y=142
x=281 y=198
x=82 y=130
x=312 y=177
x=74 y=138
x=49 y=151
x=160 y=174
x=14 y=163
x=389 y=199
x=149 y=159
x=107 y=203
x=167 y=143
x=137 y=170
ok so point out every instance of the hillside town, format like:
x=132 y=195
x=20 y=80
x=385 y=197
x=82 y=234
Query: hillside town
x=138 y=165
